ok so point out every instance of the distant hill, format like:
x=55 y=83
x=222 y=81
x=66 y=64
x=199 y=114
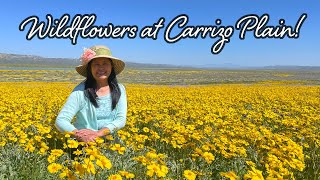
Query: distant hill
x=38 y=61
x=18 y=60
x=307 y=68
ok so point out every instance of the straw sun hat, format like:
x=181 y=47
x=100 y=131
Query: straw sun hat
x=96 y=52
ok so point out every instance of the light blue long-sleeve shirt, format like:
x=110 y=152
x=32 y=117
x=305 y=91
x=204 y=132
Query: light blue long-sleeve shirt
x=90 y=117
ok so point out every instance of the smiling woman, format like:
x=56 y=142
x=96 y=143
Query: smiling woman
x=100 y=69
x=99 y=103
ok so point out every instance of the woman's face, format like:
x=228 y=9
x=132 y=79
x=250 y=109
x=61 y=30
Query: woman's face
x=101 y=69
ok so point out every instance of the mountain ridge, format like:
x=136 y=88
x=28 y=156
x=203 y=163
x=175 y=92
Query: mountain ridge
x=9 y=60
x=30 y=60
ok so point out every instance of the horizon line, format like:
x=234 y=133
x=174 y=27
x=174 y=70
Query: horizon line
x=224 y=65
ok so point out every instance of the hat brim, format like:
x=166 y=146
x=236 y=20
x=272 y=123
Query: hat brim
x=118 y=65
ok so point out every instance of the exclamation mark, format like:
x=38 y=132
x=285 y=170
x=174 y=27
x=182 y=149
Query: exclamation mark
x=302 y=18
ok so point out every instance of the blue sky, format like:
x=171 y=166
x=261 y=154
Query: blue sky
x=249 y=52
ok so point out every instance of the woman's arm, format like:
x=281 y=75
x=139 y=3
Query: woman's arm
x=69 y=110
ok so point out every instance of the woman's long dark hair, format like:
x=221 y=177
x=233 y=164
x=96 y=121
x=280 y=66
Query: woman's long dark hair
x=91 y=84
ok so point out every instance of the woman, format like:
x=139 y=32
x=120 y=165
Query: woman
x=99 y=103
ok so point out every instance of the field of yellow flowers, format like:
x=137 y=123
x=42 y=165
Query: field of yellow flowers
x=256 y=131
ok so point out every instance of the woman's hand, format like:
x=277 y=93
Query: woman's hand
x=86 y=135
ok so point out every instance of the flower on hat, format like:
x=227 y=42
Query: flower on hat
x=87 y=55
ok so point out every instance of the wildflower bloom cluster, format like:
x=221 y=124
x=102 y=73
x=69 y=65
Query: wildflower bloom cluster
x=210 y=132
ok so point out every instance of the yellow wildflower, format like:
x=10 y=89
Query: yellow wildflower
x=115 y=177
x=189 y=175
x=231 y=175
x=72 y=143
x=54 y=167
x=253 y=174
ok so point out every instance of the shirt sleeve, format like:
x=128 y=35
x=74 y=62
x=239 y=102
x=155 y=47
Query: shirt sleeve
x=121 y=112
x=69 y=110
